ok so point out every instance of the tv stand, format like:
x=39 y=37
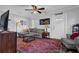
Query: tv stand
x=8 y=42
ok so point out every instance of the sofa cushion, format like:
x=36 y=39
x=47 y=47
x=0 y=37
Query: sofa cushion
x=74 y=35
x=33 y=30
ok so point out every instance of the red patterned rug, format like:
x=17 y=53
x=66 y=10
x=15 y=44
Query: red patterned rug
x=39 y=45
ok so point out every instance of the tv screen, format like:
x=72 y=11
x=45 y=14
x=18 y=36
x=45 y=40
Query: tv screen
x=45 y=21
x=4 y=21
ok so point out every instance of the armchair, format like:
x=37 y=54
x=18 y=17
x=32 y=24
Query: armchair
x=71 y=43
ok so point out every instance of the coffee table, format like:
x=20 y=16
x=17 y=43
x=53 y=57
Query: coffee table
x=29 y=37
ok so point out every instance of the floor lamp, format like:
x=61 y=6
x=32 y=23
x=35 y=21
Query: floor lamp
x=46 y=25
x=17 y=24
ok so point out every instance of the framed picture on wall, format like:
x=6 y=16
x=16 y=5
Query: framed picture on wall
x=75 y=28
x=45 y=21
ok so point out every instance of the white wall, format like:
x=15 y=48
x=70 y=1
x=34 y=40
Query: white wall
x=12 y=23
x=70 y=17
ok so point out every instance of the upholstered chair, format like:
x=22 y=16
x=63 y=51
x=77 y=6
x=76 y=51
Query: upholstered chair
x=71 y=42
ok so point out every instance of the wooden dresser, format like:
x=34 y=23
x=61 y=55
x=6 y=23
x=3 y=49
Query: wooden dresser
x=8 y=42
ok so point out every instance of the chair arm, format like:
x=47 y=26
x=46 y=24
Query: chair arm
x=68 y=41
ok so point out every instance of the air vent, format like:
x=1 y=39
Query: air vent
x=59 y=13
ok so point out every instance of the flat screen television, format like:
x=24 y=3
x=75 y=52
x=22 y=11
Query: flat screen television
x=4 y=21
x=45 y=21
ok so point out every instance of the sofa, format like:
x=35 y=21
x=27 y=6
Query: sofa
x=33 y=32
x=37 y=32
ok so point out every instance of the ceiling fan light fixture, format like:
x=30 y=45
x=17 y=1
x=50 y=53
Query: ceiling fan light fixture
x=35 y=12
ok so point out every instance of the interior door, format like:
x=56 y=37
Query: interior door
x=58 y=27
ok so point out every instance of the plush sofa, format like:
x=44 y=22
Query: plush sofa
x=36 y=32
x=33 y=32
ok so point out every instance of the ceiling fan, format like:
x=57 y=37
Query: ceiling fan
x=35 y=9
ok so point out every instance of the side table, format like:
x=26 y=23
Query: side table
x=45 y=34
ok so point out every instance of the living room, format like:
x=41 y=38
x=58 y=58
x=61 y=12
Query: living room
x=37 y=25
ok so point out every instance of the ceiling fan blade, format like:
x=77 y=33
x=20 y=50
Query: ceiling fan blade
x=28 y=9
x=35 y=7
x=39 y=12
x=41 y=8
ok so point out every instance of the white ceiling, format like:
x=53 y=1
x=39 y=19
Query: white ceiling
x=49 y=9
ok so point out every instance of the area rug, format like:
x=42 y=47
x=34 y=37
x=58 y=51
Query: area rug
x=39 y=46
